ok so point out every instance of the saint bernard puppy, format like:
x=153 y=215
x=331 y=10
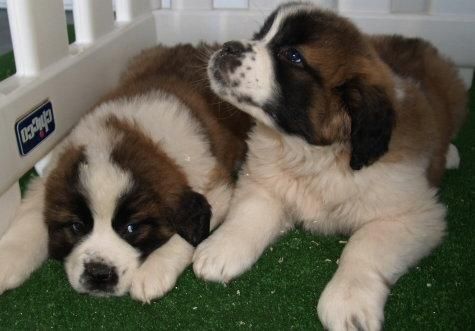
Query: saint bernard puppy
x=351 y=138
x=135 y=185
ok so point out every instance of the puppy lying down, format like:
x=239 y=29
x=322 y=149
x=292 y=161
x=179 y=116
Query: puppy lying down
x=352 y=135
x=136 y=184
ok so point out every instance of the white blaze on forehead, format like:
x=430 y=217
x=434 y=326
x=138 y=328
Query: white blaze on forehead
x=104 y=183
x=283 y=13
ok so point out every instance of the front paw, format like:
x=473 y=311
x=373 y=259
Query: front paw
x=13 y=270
x=352 y=304
x=223 y=257
x=152 y=281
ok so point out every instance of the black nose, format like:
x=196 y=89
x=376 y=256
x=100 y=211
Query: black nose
x=100 y=275
x=233 y=48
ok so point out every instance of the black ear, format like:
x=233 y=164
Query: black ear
x=372 y=120
x=192 y=217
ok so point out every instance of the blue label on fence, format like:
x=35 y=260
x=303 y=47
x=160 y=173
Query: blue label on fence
x=35 y=127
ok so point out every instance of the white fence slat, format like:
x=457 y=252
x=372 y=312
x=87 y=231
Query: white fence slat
x=192 y=4
x=127 y=10
x=328 y=4
x=38 y=30
x=9 y=203
x=410 y=6
x=92 y=19
x=68 y=4
x=265 y=4
x=453 y=7
x=374 y=6
x=231 y=4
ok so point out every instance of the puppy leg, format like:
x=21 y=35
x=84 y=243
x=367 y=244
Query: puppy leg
x=219 y=198
x=24 y=247
x=159 y=272
x=374 y=258
x=254 y=220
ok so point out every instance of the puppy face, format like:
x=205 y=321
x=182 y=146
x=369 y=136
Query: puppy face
x=311 y=74
x=111 y=204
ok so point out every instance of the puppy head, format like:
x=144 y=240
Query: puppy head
x=312 y=74
x=108 y=206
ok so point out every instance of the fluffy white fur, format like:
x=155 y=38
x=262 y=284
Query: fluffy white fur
x=255 y=77
x=169 y=123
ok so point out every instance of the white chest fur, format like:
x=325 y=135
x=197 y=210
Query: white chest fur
x=318 y=189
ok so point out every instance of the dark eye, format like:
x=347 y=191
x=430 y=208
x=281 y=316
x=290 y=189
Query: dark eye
x=77 y=227
x=131 y=228
x=292 y=55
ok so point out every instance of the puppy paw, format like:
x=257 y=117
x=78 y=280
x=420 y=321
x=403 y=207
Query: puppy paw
x=352 y=305
x=13 y=270
x=222 y=258
x=452 y=160
x=152 y=281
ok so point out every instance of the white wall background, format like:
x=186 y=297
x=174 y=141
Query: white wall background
x=466 y=7
x=68 y=4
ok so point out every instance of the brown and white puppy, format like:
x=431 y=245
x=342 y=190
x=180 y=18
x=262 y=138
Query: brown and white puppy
x=135 y=185
x=352 y=135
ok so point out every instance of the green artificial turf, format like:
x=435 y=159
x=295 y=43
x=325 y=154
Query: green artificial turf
x=282 y=289
x=7 y=65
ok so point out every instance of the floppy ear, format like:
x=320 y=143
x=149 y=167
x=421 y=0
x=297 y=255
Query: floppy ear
x=372 y=119
x=192 y=219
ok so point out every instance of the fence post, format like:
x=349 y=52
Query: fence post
x=39 y=36
x=92 y=19
x=127 y=10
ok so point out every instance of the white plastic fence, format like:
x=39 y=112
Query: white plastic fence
x=73 y=77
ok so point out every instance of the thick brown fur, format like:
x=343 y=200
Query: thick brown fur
x=181 y=71
x=436 y=78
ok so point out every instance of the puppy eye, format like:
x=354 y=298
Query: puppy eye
x=131 y=228
x=292 y=55
x=77 y=227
